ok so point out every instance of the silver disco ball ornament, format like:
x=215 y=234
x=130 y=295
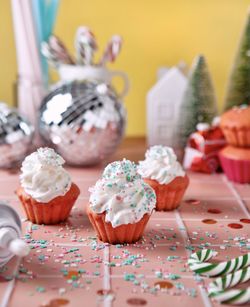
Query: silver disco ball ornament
x=83 y=120
x=15 y=137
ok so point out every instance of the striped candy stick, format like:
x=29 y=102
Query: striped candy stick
x=197 y=263
x=218 y=288
x=56 y=53
x=59 y=50
x=85 y=45
x=51 y=58
x=112 y=50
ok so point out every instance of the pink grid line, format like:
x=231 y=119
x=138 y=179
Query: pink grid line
x=186 y=238
x=236 y=195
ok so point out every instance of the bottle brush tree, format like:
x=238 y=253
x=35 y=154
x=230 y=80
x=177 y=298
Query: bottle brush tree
x=199 y=102
x=238 y=89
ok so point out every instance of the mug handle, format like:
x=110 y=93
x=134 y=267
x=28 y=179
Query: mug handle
x=124 y=77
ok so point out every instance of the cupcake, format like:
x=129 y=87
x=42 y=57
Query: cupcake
x=236 y=163
x=46 y=192
x=235 y=125
x=164 y=174
x=120 y=204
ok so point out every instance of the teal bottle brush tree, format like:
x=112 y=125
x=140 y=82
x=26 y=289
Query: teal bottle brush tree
x=199 y=101
x=238 y=89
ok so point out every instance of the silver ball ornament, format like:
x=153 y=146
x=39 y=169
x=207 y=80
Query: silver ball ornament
x=15 y=137
x=83 y=121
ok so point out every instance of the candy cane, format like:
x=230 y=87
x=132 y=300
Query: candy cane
x=197 y=263
x=216 y=289
x=50 y=56
x=85 y=45
x=59 y=50
x=56 y=53
x=112 y=50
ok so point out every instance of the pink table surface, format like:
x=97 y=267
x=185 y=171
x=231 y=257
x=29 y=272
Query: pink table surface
x=69 y=266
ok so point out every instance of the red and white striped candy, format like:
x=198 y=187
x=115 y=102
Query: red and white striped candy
x=85 y=44
x=59 y=50
x=112 y=50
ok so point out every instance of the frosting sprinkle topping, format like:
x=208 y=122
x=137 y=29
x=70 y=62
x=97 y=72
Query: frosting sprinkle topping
x=43 y=176
x=160 y=164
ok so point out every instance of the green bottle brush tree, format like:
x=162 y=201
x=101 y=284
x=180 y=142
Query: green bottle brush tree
x=199 y=102
x=238 y=90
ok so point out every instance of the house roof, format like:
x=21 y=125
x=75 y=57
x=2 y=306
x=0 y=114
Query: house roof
x=167 y=84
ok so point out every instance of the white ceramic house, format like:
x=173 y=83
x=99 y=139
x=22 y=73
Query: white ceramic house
x=163 y=107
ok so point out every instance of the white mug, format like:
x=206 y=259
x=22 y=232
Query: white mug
x=76 y=72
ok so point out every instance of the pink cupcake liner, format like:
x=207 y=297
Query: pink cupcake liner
x=169 y=195
x=169 y=199
x=55 y=211
x=236 y=170
x=128 y=233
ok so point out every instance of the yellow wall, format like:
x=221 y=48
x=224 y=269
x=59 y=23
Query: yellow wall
x=156 y=33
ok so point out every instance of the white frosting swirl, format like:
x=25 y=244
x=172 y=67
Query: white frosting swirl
x=161 y=165
x=122 y=194
x=43 y=176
